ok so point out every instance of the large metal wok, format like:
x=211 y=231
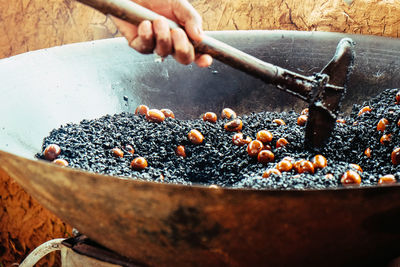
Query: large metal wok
x=164 y=224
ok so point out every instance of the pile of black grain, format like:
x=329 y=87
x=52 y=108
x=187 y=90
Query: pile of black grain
x=218 y=161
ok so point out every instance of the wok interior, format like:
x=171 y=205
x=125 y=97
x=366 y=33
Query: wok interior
x=47 y=88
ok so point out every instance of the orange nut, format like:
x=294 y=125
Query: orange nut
x=61 y=162
x=284 y=166
x=350 y=177
x=281 y=142
x=268 y=173
x=155 y=115
x=364 y=110
x=386 y=139
x=141 y=110
x=304 y=111
x=395 y=156
x=265 y=156
x=180 y=151
x=319 y=162
x=239 y=139
x=139 y=163
x=387 y=179
x=254 y=147
x=367 y=152
x=228 y=113
x=235 y=125
x=264 y=136
x=117 y=152
x=210 y=117
x=130 y=149
x=168 y=113
x=51 y=152
x=195 y=137
x=301 y=120
x=303 y=166
x=279 y=122
x=382 y=125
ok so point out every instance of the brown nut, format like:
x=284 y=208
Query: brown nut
x=168 y=113
x=210 y=117
x=382 y=125
x=265 y=156
x=51 y=152
x=142 y=110
x=254 y=147
x=239 y=139
x=319 y=162
x=387 y=179
x=385 y=139
x=395 y=156
x=264 y=136
x=235 y=125
x=281 y=142
x=367 y=152
x=279 y=122
x=139 y=163
x=303 y=166
x=117 y=152
x=268 y=173
x=356 y=167
x=284 y=166
x=363 y=110
x=180 y=151
x=301 y=120
x=195 y=137
x=304 y=111
x=350 y=178
x=61 y=162
x=155 y=115
x=228 y=113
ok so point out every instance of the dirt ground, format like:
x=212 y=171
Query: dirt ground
x=28 y=25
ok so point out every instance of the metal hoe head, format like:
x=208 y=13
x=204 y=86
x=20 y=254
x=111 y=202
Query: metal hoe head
x=327 y=94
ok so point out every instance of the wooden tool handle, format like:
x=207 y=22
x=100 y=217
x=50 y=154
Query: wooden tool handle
x=294 y=83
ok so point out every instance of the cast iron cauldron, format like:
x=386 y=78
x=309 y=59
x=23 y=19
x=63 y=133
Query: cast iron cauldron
x=173 y=225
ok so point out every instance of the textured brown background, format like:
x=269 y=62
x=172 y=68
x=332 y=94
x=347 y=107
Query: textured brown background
x=34 y=24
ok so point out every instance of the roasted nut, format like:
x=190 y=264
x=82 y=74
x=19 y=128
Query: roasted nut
x=281 y=142
x=350 y=178
x=301 y=120
x=61 y=162
x=303 y=166
x=264 y=136
x=228 y=113
x=279 y=122
x=180 y=151
x=265 y=156
x=367 y=152
x=304 y=112
x=284 y=166
x=363 y=110
x=385 y=139
x=356 y=167
x=51 y=152
x=195 y=137
x=239 y=139
x=117 y=152
x=319 y=162
x=130 y=149
x=168 y=113
x=141 y=110
x=398 y=97
x=235 y=125
x=329 y=176
x=395 y=156
x=210 y=117
x=268 y=173
x=139 y=163
x=155 y=115
x=387 y=179
x=341 y=121
x=382 y=125
x=254 y=147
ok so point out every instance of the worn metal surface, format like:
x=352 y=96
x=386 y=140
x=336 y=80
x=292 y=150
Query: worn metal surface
x=164 y=224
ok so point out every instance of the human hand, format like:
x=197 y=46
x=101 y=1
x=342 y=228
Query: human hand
x=158 y=37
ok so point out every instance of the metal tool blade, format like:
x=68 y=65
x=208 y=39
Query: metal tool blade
x=325 y=99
